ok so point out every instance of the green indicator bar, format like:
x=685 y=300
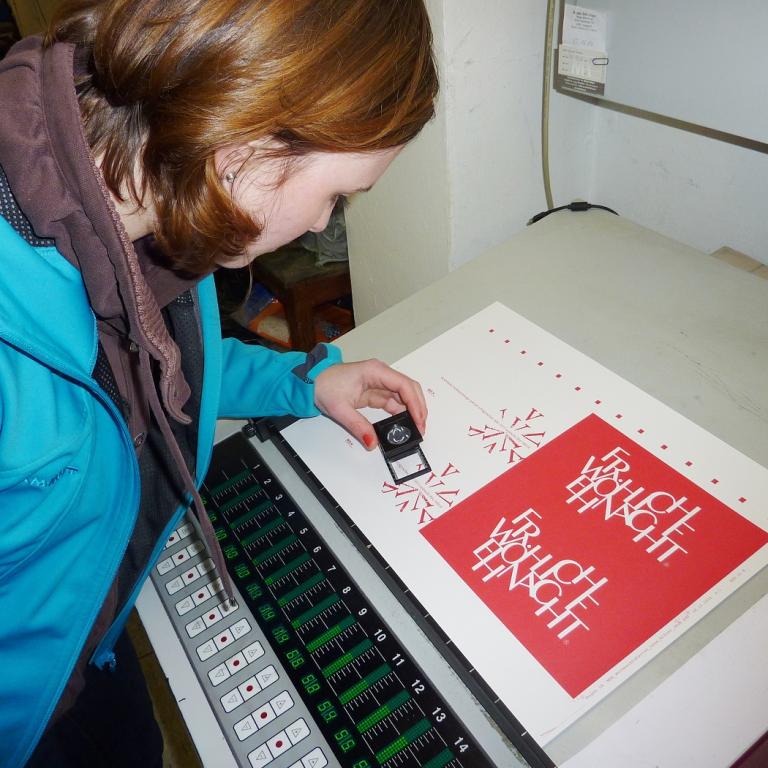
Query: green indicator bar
x=246 y=494
x=329 y=634
x=383 y=711
x=407 y=738
x=441 y=760
x=301 y=589
x=272 y=551
x=364 y=684
x=351 y=655
x=263 y=531
x=231 y=483
x=316 y=611
x=251 y=513
x=286 y=569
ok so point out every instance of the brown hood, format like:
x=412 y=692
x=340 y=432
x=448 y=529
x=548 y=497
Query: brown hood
x=49 y=166
x=57 y=185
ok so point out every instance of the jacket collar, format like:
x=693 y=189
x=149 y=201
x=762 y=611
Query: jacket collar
x=46 y=157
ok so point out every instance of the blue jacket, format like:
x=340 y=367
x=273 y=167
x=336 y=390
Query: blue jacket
x=69 y=479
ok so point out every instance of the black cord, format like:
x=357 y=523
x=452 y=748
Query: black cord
x=578 y=205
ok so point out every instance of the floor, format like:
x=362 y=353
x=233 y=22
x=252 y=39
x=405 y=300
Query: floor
x=179 y=749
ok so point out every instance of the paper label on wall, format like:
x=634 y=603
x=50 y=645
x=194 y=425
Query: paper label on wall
x=584 y=28
x=571 y=527
x=582 y=64
x=582 y=60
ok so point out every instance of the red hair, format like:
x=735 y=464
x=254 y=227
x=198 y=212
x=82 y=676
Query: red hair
x=171 y=81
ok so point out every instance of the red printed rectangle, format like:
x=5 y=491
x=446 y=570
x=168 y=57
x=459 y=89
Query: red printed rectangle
x=589 y=547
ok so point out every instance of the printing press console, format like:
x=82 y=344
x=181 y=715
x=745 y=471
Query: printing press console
x=326 y=661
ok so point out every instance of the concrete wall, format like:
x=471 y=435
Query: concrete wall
x=699 y=190
x=473 y=178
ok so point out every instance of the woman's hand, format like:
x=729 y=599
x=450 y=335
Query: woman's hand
x=341 y=389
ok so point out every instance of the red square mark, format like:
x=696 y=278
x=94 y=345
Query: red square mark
x=589 y=547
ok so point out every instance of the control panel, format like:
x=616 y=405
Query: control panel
x=302 y=672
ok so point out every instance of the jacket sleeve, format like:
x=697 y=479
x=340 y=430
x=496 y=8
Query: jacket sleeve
x=257 y=381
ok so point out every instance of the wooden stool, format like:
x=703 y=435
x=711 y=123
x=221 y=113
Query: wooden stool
x=293 y=277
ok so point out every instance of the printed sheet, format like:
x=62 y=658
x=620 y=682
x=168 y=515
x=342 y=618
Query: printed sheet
x=571 y=527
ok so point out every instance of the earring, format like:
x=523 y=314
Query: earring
x=230 y=177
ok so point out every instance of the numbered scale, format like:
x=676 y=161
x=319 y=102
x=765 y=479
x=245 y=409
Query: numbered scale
x=302 y=672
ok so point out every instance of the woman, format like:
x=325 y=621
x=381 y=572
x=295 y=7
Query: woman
x=145 y=143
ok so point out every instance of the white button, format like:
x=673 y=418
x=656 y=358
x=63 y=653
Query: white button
x=315 y=759
x=227 y=607
x=253 y=651
x=184 y=530
x=249 y=688
x=206 y=566
x=223 y=639
x=297 y=764
x=245 y=728
x=240 y=628
x=212 y=616
x=267 y=676
x=216 y=586
x=195 y=548
x=175 y=585
x=201 y=595
x=180 y=557
x=185 y=606
x=260 y=756
x=231 y=700
x=172 y=539
x=298 y=731
x=189 y=576
x=264 y=715
x=278 y=744
x=219 y=674
x=206 y=650
x=282 y=702
x=195 y=627
x=165 y=565
x=236 y=663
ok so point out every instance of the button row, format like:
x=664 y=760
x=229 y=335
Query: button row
x=248 y=689
x=167 y=565
x=204 y=593
x=213 y=616
x=190 y=576
x=314 y=759
x=233 y=664
x=263 y=716
x=280 y=743
x=180 y=533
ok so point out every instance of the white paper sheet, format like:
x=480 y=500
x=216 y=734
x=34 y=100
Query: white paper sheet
x=500 y=390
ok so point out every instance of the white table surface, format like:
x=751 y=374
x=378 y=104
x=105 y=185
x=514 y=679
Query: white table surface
x=689 y=330
x=693 y=332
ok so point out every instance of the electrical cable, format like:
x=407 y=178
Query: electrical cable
x=577 y=206
x=546 y=82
